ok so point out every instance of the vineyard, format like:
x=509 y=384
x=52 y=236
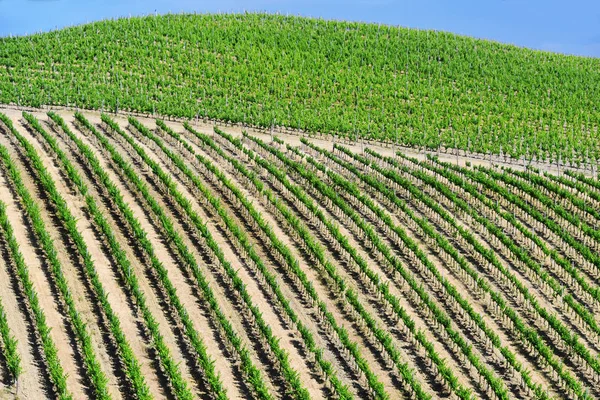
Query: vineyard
x=419 y=88
x=155 y=259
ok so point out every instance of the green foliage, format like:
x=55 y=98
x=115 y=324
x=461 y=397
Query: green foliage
x=289 y=373
x=425 y=89
x=9 y=347
x=9 y=342
x=253 y=374
x=371 y=235
x=449 y=172
x=127 y=273
x=312 y=245
x=55 y=369
x=97 y=377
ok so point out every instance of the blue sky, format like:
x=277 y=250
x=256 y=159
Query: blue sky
x=566 y=26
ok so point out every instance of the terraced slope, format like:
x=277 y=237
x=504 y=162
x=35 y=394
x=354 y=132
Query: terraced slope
x=151 y=259
x=424 y=89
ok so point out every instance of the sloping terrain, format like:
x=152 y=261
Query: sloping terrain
x=151 y=259
x=424 y=89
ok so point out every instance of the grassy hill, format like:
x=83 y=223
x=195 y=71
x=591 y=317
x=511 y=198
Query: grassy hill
x=419 y=88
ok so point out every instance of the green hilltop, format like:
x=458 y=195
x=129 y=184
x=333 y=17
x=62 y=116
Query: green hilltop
x=418 y=88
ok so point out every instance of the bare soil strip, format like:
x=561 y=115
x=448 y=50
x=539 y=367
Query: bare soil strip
x=31 y=383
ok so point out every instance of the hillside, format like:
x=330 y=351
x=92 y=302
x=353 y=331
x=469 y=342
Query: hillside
x=144 y=259
x=417 y=88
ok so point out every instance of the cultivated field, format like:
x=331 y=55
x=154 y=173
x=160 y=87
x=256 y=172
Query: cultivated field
x=149 y=259
x=421 y=88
